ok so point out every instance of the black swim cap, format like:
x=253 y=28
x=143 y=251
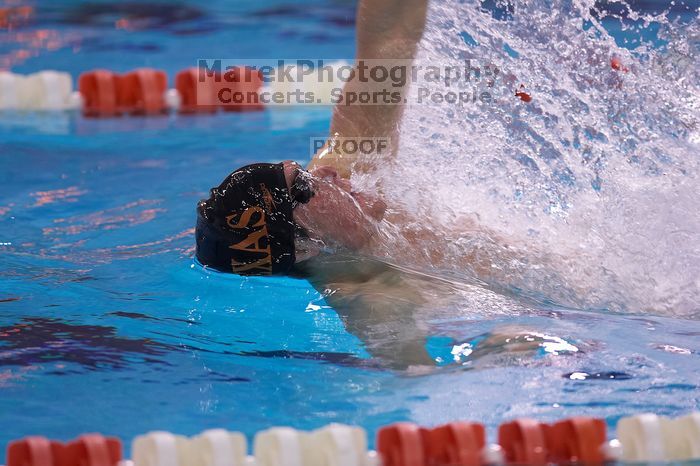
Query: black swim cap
x=246 y=225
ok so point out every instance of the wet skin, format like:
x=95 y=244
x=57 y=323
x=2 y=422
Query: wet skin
x=388 y=307
x=335 y=215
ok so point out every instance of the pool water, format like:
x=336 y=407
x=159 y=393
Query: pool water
x=106 y=323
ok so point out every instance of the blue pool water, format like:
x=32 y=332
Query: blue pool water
x=107 y=325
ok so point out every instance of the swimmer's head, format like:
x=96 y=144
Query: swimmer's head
x=263 y=218
x=246 y=226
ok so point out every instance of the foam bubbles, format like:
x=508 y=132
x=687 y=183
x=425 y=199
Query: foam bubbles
x=588 y=194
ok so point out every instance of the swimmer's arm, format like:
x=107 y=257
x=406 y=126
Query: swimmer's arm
x=386 y=29
x=387 y=329
x=377 y=303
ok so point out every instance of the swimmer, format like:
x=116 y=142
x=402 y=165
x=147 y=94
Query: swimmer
x=280 y=219
x=266 y=218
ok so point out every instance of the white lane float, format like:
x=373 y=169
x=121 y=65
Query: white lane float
x=682 y=437
x=42 y=91
x=642 y=438
x=160 y=448
x=217 y=447
x=280 y=446
x=338 y=445
x=318 y=84
x=47 y=91
x=10 y=84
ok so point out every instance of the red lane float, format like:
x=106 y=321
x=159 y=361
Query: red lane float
x=577 y=440
x=524 y=441
x=454 y=444
x=195 y=96
x=34 y=451
x=100 y=91
x=401 y=444
x=86 y=450
x=142 y=92
x=239 y=90
x=92 y=450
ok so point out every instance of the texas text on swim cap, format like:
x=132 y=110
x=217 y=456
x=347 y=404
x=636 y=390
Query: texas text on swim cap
x=246 y=226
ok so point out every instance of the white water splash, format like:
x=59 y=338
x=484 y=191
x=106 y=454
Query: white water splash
x=595 y=180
